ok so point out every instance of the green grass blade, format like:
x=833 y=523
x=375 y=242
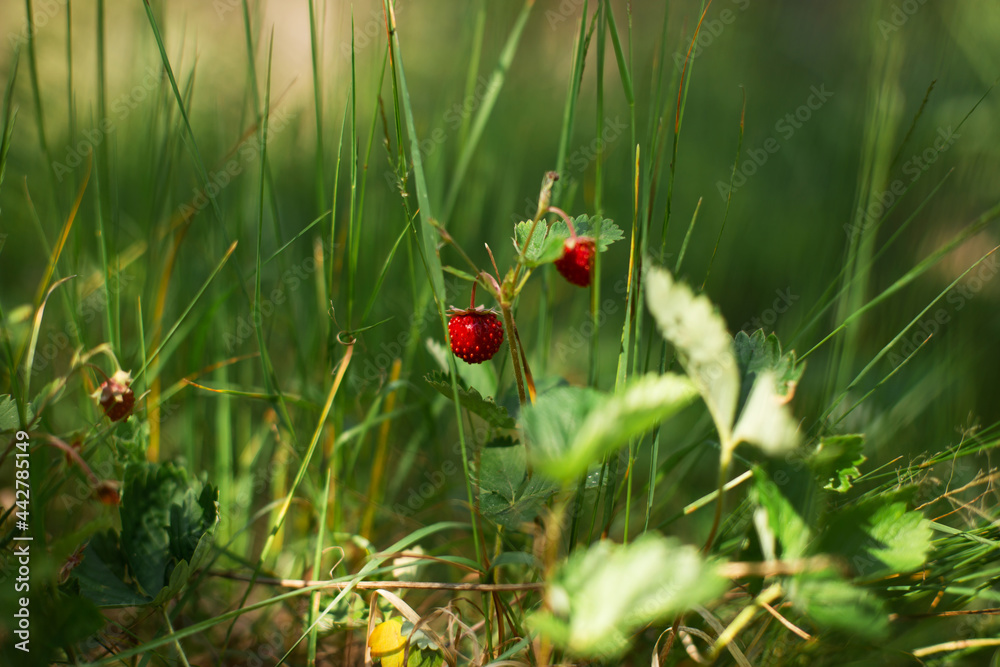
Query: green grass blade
x=485 y=109
x=971 y=230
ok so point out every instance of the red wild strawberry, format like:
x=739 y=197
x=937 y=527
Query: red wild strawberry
x=476 y=334
x=115 y=396
x=577 y=262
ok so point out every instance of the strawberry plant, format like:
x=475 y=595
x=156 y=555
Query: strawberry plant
x=301 y=365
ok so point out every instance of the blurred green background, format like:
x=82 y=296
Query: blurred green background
x=784 y=241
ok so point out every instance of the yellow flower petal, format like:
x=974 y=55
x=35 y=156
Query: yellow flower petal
x=387 y=643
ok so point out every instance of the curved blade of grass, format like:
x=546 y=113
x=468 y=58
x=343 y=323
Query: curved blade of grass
x=832 y=300
x=485 y=108
x=974 y=228
x=428 y=245
x=383 y=273
x=35 y=329
x=270 y=378
x=9 y=115
x=729 y=198
x=318 y=106
x=36 y=92
x=891 y=344
x=195 y=152
x=187 y=310
x=569 y=109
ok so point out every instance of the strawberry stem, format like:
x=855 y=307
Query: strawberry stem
x=472 y=299
x=569 y=222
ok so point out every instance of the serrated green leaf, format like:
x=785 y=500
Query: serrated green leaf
x=756 y=353
x=585 y=226
x=9 y=420
x=834 y=603
x=546 y=243
x=775 y=515
x=836 y=459
x=698 y=333
x=553 y=421
x=473 y=401
x=879 y=536
x=601 y=595
x=766 y=420
x=167 y=527
x=102 y=574
x=506 y=496
x=609 y=423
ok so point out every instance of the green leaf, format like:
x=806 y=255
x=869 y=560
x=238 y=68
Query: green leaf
x=600 y=596
x=167 y=527
x=586 y=226
x=546 y=243
x=473 y=401
x=879 y=536
x=756 y=353
x=836 y=459
x=102 y=574
x=834 y=603
x=609 y=423
x=766 y=420
x=777 y=517
x=552 y=422
x=691 y=324
x=9 y=421
x=506 y=495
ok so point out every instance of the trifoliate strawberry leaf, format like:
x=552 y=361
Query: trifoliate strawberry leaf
x=546 y=244
x=472 y=401
x=167 y=526
x=756 y=353
x=594 y=608
x=609 y=423
x=506 y=495
x=704 y=348
x=836 y=459
x=587 y=226
x=878 y=536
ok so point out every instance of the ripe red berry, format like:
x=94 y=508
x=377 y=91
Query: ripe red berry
x=476 y=334
x=577 y=262
x=115 y=396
